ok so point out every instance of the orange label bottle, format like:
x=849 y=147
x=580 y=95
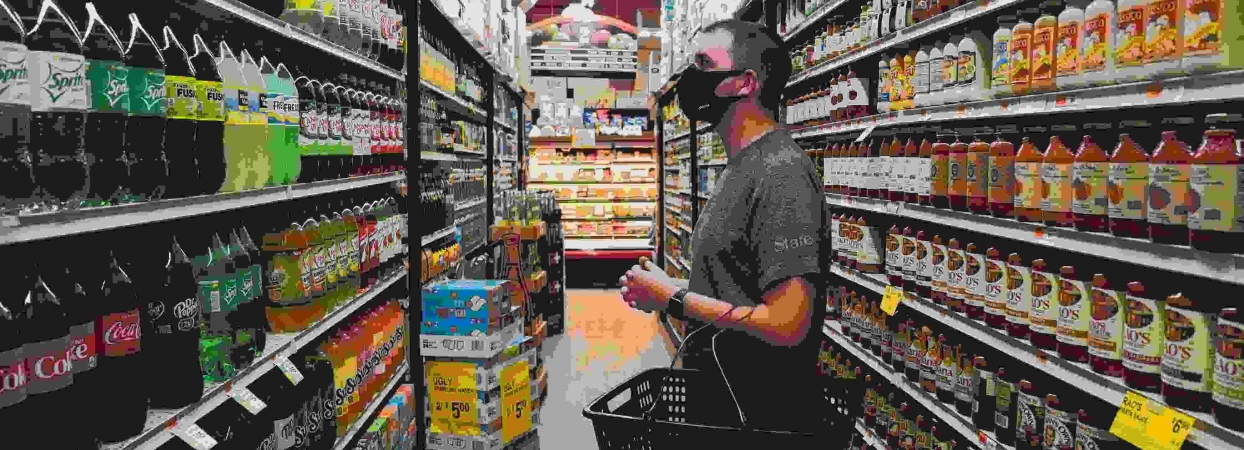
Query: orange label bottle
x=1001 y=177
x=1028 y=184
x=1044 y=65
x=937 y=173
x=1164 y=39
x=1089 y=178
x=1214 y=200
x=1169 y=174
x=1056 y=179
x=923 y=181
x=1203 y=34
x=957 y=182
x=1128 y=186
x=1129 y=49
x=1021 y=53
x=977 y=173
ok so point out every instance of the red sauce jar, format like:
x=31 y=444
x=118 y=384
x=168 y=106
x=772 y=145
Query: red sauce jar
x=1229 y=369
x=995 y=289
x=1089 y=180
x=1043 y=312
x=1018 y=280
x=1144 y=339
x=974 y=281
x=1128 y=186
x=941 y=276
x=1214 y=211
x=1169 y=172
x=1074 y=311
x=924 y=265
x=1106 y=328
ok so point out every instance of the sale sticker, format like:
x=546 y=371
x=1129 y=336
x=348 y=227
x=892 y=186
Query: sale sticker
x=452 y=397
x=891 y=299
x=515 y=400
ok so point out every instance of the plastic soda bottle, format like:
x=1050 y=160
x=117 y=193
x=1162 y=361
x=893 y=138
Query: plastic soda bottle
x=59 y=103
x=256 y=141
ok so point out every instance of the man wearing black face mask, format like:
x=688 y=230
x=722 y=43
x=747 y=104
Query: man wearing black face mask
x=759 y=267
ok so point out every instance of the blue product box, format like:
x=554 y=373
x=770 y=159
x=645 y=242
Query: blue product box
x=465 y=307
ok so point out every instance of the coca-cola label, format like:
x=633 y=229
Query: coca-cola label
x=13 y=377
x=14 y=75
x=120 y=333
x=82 y=347
x=48 y=367
x=62 y=82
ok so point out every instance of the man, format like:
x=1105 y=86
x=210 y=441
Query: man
x=759 y=243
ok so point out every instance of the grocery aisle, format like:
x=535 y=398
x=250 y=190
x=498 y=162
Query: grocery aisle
x=605 y=343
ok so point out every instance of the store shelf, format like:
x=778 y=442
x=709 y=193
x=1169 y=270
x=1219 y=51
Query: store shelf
x=715 y=162
x=1180 y=259
x=438 y=235
x=257 y=17
x=462 y=150
x=590 y=163
x=871 y=439
x=364 y=420
x=508 y=158
x=1208 y=433
x=608 y=200
x=159 y=427
x=676 y=261
x=591 y=182
x=15 y=229
x=438 y=156
x=947 y=414
x=678 y=136
x=622 y=243
x=814 y=18
x=459 y=206
x=673 y=168
x=607 y=218
x=953 y=18
x=1212 y=87
x=505 y=126
x=479 y=113
x=476 y=44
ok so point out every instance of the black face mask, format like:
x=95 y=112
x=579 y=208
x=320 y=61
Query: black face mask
x=696 y=96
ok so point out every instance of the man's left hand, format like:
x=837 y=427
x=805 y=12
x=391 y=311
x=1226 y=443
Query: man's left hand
x=647 y=288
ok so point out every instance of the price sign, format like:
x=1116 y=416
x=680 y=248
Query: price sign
x=195 y=436
x=248 y=400
x=1133 y=421
x=515 y=400
x=452 y=397
x=891 y=299
x=289 y=369
x=1171 y=428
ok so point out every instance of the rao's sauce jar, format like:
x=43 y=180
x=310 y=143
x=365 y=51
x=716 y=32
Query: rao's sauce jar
x=1144 y=339
x=1106 y=329
x=1074 y=310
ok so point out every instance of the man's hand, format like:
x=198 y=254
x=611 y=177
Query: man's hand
x=647 y=288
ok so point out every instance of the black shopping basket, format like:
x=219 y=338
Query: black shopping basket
x=692 y=409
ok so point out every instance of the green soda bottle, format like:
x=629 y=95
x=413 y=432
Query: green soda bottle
x=271 y=102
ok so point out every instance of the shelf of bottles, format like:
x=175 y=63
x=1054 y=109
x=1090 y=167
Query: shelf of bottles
x=610 y=192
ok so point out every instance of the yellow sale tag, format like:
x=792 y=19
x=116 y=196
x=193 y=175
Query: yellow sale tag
x=889 y=302
x=515 y=400
x=1135 y=418
x=1169 y=429
x=452 y=397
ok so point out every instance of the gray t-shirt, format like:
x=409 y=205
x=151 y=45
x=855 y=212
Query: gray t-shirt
x=765 y=222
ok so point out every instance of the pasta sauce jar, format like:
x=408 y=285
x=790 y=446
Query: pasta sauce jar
x=1106 y=328
x=1229 y=369
x=1017 y=297
x=1043 y=311
x=995 y=289
x=1144 y=339
x=1074 y=310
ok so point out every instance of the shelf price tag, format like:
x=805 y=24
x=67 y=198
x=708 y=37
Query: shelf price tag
x=1135 y=419
x=289 y=369
x=891 y=299
x=248 y=400
x=1171 y=428
x=515 y=400
x=195 y=436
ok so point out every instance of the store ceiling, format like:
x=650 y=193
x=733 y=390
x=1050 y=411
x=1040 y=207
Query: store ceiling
x=623 y=10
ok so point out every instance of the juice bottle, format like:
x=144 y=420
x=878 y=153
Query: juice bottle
x=995 y=289
x=1214 y=216
x=946 y=373
x=1188 y=362
x=909 y=259
x=1228 y=379
x=1164 y=36
x=937 y=81
x=922 y=76
x=1021 y=53
x=1169 y=173
x=950 y=71
x=909 y=79
x=1001 y=177
x=957 y=182
x=1097 y=42
x=1074 y=310
x=1060 y=424
x=898 y=74
x=974 y=281
x=930 y=362
x=924 y=265
x=1128 y=186
x=1044 y=38
x=884 y=80
x=1043 y=311
x=977 y=171
x=1106 y=327
x=985 y=396
x=1018 y=297
x=1069 y=58
x=1203 y=35
x=258 y=128
x=1089 y=178
x=974 y=66
x=911 y=171
x=1028 y=182
x=1000 y=75
x=894 y=256
x=1057 y=193
x=1129 y=50
x=956 y=273
x=1144 y=339
x=923 y=181
x=940 y=284
x=938 y=176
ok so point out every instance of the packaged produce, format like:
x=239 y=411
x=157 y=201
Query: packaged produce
x=1090 y=178
x=1068 y=54
x=995 y=289
x=1215 y=215
x=1000 y=73
x=1169 y=173
x=1144 y=339
x=1188 y=362
x=1106 y=327
x=1097 y=42
x=1029 y=186
x=1228 y=376
x=1128 y=184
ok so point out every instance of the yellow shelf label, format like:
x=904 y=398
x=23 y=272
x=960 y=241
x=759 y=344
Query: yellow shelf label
x=515 y=400
x=1150 y=425
x=453 y=396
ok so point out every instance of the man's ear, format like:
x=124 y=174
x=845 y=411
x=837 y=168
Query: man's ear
x=749 y=83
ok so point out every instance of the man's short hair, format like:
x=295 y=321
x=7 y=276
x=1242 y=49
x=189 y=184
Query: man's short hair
x=756 y=47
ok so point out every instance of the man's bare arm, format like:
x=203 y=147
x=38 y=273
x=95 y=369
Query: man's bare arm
x=783 y=319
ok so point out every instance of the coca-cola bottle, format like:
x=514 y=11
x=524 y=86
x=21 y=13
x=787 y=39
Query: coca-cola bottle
x=174 y=315
x=121 y=359
x=79 y=291
x=59 y=103
x=16 y=183
x=108 y=91
x=13 y=372
x=49 y=369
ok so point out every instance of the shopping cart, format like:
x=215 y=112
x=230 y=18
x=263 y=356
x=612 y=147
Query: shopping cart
x=693 y=409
